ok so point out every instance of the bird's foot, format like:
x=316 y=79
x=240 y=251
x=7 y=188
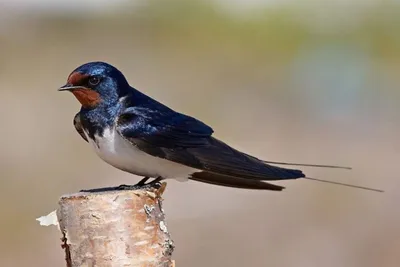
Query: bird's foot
x=136 y=186
x=102 y=189
x=155 y=184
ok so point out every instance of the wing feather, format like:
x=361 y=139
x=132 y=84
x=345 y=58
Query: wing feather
x=185 y=140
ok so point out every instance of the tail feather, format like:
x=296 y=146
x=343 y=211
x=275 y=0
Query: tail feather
x=308 y=165
x=343 y=184
x=235 y=182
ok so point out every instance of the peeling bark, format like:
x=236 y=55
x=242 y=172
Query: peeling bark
x=115 y=228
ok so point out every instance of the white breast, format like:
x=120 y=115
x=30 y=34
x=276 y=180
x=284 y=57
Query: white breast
x=118 y=152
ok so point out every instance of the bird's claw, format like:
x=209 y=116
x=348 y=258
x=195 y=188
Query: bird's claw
x=126 y=187
x=151 y=185
x=141 y=185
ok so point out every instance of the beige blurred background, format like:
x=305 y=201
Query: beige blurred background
x=298 y=81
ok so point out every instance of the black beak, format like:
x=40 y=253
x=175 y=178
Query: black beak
x=69 y=87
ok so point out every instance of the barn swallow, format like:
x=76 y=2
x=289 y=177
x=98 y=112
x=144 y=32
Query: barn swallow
x=139 y=135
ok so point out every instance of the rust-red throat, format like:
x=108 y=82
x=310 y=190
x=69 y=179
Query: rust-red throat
x=86 y=96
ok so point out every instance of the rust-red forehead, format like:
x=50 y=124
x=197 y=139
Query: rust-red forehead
x=77 y=78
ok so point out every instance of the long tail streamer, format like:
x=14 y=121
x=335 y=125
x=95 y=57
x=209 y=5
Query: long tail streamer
x=308 y=165
x=348 y=185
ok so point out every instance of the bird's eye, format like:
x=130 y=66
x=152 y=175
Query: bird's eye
x=93 y=81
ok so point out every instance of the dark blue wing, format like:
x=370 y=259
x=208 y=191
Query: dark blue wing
x=164 y=128
x=185 y=140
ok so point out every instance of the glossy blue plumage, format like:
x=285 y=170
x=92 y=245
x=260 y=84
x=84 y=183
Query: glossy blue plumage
x=163 y=133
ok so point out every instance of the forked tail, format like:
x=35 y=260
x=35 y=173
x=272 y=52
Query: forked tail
x=325 y=181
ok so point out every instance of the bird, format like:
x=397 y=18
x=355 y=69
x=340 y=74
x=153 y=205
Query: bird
x=139 y=135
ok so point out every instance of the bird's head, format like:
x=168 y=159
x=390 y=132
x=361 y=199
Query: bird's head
x=95 y=84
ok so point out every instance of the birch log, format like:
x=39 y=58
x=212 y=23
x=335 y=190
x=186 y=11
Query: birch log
x=115 y=228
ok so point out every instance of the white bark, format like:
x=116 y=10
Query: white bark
x=115 y=228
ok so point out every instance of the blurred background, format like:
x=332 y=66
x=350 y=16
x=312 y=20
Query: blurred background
x=295 y=80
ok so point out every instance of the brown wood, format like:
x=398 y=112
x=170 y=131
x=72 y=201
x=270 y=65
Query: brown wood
x=115 y=228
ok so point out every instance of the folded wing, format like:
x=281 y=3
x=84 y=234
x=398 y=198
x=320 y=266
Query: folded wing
x=185 y=140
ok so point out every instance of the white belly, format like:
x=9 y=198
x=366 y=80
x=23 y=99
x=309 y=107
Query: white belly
x=118 y=152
